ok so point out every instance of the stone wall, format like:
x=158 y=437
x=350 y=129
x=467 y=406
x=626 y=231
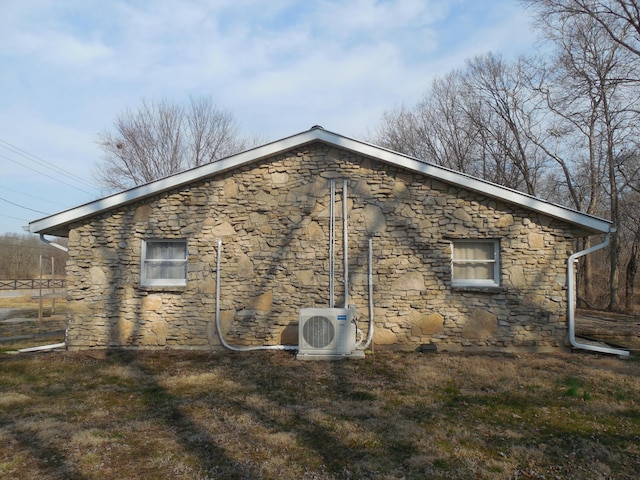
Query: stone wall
x=273 y=219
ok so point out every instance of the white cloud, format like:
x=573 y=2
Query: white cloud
x=29 y=32
x=67 y=67
x=62 y=49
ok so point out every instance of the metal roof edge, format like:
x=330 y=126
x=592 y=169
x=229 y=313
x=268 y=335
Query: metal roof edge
x=56 y=222
x=167 y=183
x=493 y=190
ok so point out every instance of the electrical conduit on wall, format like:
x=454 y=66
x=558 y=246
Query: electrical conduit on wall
x=331 y=285
x=371 y=314
x=217 y=319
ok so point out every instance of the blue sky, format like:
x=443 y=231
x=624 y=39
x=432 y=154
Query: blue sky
x=68 y=67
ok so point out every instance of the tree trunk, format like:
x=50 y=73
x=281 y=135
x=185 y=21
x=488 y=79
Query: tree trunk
x=632 y=269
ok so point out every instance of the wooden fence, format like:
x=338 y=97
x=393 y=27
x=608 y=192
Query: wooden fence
x=32 y=284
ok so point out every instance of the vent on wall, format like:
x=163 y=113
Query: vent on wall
x=329 y=332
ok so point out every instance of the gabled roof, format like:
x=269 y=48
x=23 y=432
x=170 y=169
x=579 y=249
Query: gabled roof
x=59 y=223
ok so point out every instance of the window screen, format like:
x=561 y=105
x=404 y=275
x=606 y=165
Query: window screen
x=475 y=263
x=164 y=262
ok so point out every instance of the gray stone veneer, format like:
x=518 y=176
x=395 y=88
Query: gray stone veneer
x=273 y=219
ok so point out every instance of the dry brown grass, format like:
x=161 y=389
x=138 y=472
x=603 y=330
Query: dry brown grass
x=265 y=415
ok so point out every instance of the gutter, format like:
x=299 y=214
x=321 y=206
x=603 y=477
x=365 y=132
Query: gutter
x=571 y=297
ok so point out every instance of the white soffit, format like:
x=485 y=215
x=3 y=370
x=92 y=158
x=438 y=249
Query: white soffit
x=57 y=223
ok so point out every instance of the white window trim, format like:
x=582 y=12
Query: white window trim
x=467 y=282
x=162 y=282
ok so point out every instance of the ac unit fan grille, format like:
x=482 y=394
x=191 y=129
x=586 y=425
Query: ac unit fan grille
x=318 y=331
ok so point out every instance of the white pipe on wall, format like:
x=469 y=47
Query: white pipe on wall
x=55 y=345
x=371 y=314
x=217 y=319
x=43 y=348
x=55 y=245
x=332 y=241
x=345 y=244
x=571 y=297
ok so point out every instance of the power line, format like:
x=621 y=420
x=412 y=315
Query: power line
x=44 y=174
x=13 y=218
x=22 y=206
x=34 y=158
x=36 y=247
x=48 y=200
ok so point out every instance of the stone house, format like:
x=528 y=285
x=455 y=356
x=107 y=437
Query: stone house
x=248 y=241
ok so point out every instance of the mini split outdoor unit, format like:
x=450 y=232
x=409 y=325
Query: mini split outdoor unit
x=330 y=333
x=326 y=332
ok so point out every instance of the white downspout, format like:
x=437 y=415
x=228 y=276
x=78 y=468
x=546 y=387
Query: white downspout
x=66 y=332
x=56 y=245
x=571 y=297
x=217 y=319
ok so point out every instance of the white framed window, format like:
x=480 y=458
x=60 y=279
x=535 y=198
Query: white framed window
x=475 y=263
x=164 y=263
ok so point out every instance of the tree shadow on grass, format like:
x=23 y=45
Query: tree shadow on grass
x=24 y=446
x=51 y=461
x=167 y=408
x=331 y=437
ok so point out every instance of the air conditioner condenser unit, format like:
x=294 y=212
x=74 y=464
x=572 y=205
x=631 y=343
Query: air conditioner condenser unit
x=328 y=333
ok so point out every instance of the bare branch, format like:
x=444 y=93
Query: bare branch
x=163 y=138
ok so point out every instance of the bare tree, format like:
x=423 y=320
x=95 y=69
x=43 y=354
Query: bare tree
x=504 y=115
x=471 y=120
x=631 y=234
x=617 y=18
x=400 y=130
x=630 y=231
x=450 y=135
x=567 y=124
x=438 y=129
x=163 y=138
x=595 y=92
x=211 y=131
x=19 y=256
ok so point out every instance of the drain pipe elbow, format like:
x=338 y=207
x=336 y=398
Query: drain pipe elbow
x=66 y=332
x=571 y=296
x=55 y=245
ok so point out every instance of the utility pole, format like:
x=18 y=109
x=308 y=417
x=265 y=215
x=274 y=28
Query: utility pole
x=40 y=293
x=53 y=287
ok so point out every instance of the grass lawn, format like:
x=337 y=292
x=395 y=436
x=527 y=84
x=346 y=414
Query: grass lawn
x=265 y=415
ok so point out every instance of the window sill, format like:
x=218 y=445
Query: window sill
x=470 y=288
x=163 y=288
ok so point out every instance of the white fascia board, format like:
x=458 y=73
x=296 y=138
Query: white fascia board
x=183 y=178
x=589 y=222
x=598 y=225
x=56 y=221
